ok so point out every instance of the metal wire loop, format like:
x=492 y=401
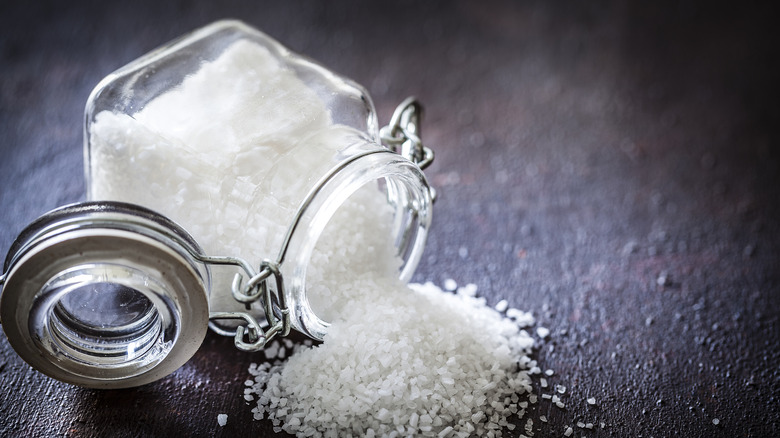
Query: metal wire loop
x=402 y=134
x=251 y=337
x=256 y=338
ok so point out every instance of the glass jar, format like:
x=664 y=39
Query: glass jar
x=249 y=148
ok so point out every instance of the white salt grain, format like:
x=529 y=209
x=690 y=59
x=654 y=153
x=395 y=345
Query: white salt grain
x=450 y=284
x=222 y=419
x=592 y=401
x=543 y=332
x=568 y=431
x=715 y=421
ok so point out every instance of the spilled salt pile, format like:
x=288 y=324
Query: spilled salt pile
x=398 y=360
x=403 y=362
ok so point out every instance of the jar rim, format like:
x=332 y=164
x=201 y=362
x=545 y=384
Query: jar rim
x=331 y=195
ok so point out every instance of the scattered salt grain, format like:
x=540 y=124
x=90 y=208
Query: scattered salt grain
x=543 y=382
x=568 y=431
x=501 y=306
x=222 y=419
x=549 y=373
x=592 y=401
x=271 y=350
x=715 y=421
x=450 y=284
x=522 y=319
x=543 y=332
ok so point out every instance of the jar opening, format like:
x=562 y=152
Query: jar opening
x=372 y=217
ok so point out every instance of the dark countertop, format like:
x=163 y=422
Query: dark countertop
x=586 y=151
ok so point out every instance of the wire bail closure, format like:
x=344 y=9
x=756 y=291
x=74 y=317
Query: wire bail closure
x=251 y=336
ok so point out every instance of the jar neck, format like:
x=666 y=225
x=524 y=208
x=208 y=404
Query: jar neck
x=399 y=183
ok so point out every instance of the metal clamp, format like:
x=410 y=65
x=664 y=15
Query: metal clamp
x=251 y=337
x=402 y=134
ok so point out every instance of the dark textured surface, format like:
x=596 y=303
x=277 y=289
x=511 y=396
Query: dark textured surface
x=585 y=150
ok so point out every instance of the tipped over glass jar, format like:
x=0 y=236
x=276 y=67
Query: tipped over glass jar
x=213 y=166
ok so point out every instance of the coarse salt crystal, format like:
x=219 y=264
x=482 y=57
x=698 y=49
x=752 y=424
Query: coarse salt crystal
x=450 y=284
x=222 y=419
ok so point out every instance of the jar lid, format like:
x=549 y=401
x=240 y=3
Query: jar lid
x=104 y=295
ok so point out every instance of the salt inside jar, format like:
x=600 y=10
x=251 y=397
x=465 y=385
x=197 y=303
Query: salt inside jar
x=250 y=150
